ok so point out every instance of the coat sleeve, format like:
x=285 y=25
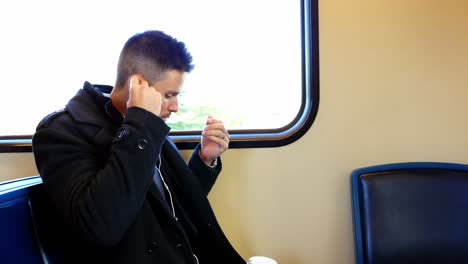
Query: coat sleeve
x=206 y=176
x=99 y=198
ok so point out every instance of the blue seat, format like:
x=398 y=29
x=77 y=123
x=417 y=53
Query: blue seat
x=29 y=231
x=411 y=213
x=18 y=241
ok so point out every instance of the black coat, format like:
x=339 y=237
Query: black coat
x=98 y=172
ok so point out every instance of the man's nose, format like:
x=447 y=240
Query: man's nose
x=174 y=105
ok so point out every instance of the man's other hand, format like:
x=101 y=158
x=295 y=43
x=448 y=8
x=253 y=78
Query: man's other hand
x=214 y=141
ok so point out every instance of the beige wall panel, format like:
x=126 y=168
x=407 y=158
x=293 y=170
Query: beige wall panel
x=16 y=165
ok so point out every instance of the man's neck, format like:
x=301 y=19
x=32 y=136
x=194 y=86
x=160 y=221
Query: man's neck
x=119 y=100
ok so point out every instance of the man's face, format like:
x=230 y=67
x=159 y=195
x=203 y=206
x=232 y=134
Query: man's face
x=169 y=88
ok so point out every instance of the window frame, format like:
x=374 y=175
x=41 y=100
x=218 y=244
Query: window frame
x=250 y=138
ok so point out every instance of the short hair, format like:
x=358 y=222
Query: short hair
x=151 y=54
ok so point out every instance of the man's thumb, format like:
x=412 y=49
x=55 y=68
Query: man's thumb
x=209 y=120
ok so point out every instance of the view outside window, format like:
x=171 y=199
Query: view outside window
x=247 y=56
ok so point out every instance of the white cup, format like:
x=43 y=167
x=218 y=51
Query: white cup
x=261 y=260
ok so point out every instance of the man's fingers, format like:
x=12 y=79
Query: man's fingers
x=216 y=133
x=209 y=120
x=131 y=82
x=216 y=126
x=224 y=143
x=141 y=96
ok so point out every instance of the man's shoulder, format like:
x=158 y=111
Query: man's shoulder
x=61 y=124
x=86 y=107
x=47 y=120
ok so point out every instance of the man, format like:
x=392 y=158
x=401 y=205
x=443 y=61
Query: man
x=115 y=178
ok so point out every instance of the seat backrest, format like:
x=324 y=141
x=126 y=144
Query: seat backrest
x=411 y=213
x=18 y=240
x=30 y=229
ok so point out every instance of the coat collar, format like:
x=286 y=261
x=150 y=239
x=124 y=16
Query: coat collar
x=88 y=104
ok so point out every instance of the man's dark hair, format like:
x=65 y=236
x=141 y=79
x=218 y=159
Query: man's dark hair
x=151 y=54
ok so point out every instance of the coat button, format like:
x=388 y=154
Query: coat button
x=151 y=247
x=142 y=143
x=122 y=133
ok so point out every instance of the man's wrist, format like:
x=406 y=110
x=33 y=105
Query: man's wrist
x=212 y=164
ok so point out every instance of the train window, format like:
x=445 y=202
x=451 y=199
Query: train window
x=256 y=63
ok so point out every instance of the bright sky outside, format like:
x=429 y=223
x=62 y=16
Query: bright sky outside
x=246 y=55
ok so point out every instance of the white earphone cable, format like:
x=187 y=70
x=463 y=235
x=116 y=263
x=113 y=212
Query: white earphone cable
x=167 y=187
x=170 y=196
